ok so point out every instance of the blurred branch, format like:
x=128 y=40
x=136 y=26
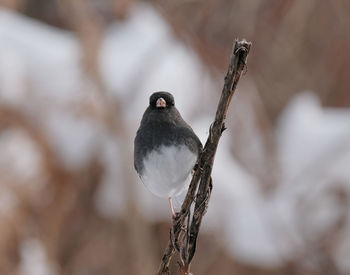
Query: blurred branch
x=182 y=227
x=89 y=26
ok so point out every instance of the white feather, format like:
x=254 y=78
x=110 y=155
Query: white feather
x=167 y=170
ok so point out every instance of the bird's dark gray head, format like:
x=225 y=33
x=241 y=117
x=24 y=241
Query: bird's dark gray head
x=161 y=100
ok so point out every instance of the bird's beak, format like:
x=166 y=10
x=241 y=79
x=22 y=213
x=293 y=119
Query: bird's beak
x=161 y=103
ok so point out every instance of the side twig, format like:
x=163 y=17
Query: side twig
x=202 y=176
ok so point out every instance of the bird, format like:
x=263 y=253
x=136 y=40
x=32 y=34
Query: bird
x=166 y=149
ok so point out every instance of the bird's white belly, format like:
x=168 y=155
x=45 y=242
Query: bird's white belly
x=167 y=171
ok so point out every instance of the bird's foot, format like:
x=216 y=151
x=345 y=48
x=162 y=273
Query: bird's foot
x=173 y=214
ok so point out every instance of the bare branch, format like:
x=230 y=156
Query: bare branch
x=202 y=176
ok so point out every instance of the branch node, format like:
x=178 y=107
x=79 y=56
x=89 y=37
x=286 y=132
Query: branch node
x=223 y=128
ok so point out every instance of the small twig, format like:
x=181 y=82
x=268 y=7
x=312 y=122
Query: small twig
x=202 y=175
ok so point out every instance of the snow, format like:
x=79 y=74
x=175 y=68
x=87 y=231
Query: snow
x=73 y=146
x=307 y=134
x=129 y=49
x=48 y=56
x=34 y=259
x=19 y=155
x=41 y=67
x=110 y=199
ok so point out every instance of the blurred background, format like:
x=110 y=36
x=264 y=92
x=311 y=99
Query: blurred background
x=75 y=77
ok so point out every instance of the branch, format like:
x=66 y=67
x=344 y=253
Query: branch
x=183 y=235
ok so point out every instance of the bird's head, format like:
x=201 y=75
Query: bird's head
x=161 y=100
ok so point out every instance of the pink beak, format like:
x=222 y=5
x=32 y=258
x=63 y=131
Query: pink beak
x=161 y=103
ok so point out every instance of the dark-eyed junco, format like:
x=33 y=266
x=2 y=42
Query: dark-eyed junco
x=166 y=148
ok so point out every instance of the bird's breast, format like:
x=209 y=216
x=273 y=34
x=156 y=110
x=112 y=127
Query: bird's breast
x=167 y=169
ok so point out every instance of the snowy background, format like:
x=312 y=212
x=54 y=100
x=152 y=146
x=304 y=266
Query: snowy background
x=72 y=93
